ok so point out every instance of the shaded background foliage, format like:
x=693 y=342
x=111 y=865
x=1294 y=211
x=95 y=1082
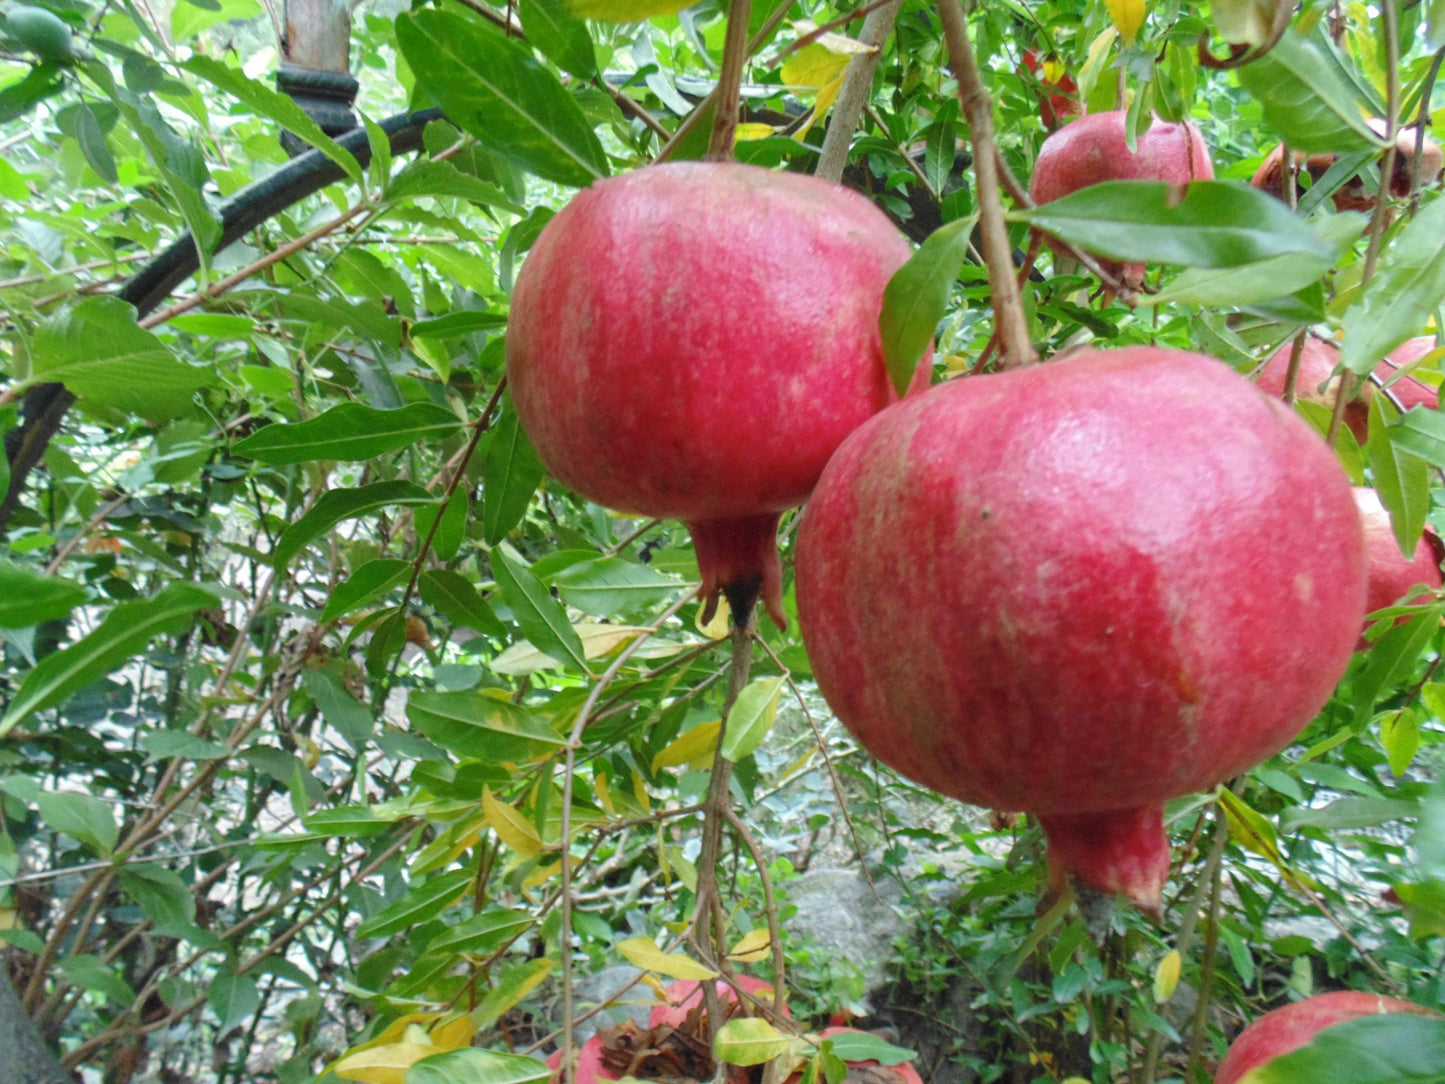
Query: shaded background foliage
x=297 y=634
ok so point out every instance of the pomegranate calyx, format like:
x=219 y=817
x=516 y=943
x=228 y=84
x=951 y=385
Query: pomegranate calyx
x=1117 y=851
x=738 y=558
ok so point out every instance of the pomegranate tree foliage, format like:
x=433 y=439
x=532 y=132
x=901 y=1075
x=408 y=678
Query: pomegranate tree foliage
x=297 y=635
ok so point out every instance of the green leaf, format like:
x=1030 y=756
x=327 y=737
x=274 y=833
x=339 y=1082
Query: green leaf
x=751 y=1041
x=1305 y=100
x=80 y=816
x=342 y=504
x=89 y=973
x=28 y=597
x=1407 y=288
x=351 y=822
x=370 y=581
x=515 y=984
x=424 y=901
x=349 y=432
x=492 y=87
x=456 y=324
x=1348 y=813
x=449 y=534
x=351 y=718
x=608 y=586
x=234 y=999
x=1392 y=656
x=916 y=298
x=481 y=933
x=473 y=724
x=1435 y=38
x=454 y=597
x=1421 y=432
x=429 y=178
x=1402 y=478
x=1390 y=1048
x=164 y=744
x=752 y=717
x=123 y=634
x=561 y=36
x=541 y=617
x=511 y=473
x=277 y=107
x=477 y=1067
x=1216 y=224
x=625 y=11
x=162 y=895
x=865 y=1046
x=105 y=359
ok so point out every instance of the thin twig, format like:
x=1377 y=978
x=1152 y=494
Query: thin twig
x=857 y=83
x=730 y=82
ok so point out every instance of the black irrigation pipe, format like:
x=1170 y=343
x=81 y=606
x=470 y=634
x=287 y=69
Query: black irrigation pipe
x=45 y=405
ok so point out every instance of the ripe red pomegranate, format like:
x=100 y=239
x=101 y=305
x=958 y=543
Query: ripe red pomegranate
x=1355 y=194
x=1081 y=589
x=1058 y=98
x=693 y=340
x=1317 y=381
x=1288 y=1028
x=590 y=1067
x=1408 y=391
x=1391 y=575
x=686 y=995
x=1093 y=149
x=873 y=1072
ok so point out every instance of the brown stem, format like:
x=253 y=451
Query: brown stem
x=1008 y=307
x=730 y=82
x=856 y=84
x=1422 y=123
x=1291 y=373
x=775 y=933
x=1392 y=125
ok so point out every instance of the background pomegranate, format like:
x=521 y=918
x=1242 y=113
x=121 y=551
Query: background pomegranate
x=1355 y=194
x=1316 y=382
x=1391 y=574
x=1058 y=99
x=1408 y=391
x=1081 y=589
x=686 y=995
x=1288 y=1028
x=1093 y=149
x=693 y=340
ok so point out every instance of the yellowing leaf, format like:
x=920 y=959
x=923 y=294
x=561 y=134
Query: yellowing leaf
x=813 y=66
x=604 y=794
x=1128 y=16
x=453 y=1034
x=309 y=750
x=383 y=1064
x=753 y=131
x=639 y=791
x=645 y=953
x=1166 y=976
x=515 y=984
x=753 y=946
x=751 y=1041
x=542 y=874
x=1254 y=833
x=511 y=827
x=1054 y=70
x=827 y=95
x=597 y=640
x=696 y=748
x=624 y=11
x=717 y=628
x=8 y=919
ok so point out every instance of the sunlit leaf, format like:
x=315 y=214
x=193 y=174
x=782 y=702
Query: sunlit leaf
x=349 y=431
x=645 y=953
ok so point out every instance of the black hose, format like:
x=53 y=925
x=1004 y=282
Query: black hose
x=45 y=405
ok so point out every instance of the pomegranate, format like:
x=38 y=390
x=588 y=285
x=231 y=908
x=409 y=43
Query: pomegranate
x=1354 y=195
x=693 y=340
x=1288 y=1028
x=870 y=1072
x=1408 y=391
x=1058 y=98
x=1081 y=589
x=1317 y=381
x=589 y=1063
x=685 y=996
x=1391 y=575
x=1093 y=149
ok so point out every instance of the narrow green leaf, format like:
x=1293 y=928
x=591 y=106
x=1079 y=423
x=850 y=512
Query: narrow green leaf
x=1408 y=286
x=456 y=599
x=234 y=999
x=752 y=717
x=28 y=597
x=492 y=87
x=1435 y=38
x=277 y=107
x=560 y=35
x=541 y=617
x=515 y=984
x=1391 y=1048
x=916 y=298
x=477 y=1067
x=1221 y=287
x=608 y=586
x=1348 y=813
x=349 y=432
x=865 y=1046
x=342 y=504
x=165 y=744
x=478 y=726
x=351 y=718
x=625 y=11
x=369 y=582
x=456 y=324
x=1216 y=224
x=1305 y=100
x=424 y=901
x=1392 y=656
x=1423 y=433
x=89 y=973
x=481 y=933
x=511 y=473
x=350 y=822
x=102 y=356
x=80 y=816
x=1402 y=478
x=162 y=895
x=429 y=178
x=123 y=634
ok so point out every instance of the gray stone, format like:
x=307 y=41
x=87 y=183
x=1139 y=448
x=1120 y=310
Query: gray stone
x=840 y=914
x=596 y=988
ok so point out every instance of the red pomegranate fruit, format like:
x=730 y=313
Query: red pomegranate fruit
x=1288 y=1028
x=1093 y=149
x=590 y=1066
x=1408 y=391
x=1391 y=574
x=1081 y=589
x=1355 y=194
x=873 y=1072
x=693 y=340
x=685 y=996
x=1317 y=381
x=1058 y=97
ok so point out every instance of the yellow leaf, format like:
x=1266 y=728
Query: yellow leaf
x=1054 y=70
x=309 y=750
x=827 y=95
x=645 y=953
x=639 y=791
x=1128 y=16
x=717 y=628
x=511 y=827
x=1166 y=976
x=753 y=131
x=542 y=874
x=8 y=919
x=753 y=946
x=813 y=66
x=624 y=11
x=604 y=795
x=597 y=640
x=383 y=1064
x=696 y=748
x=453 y=1034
